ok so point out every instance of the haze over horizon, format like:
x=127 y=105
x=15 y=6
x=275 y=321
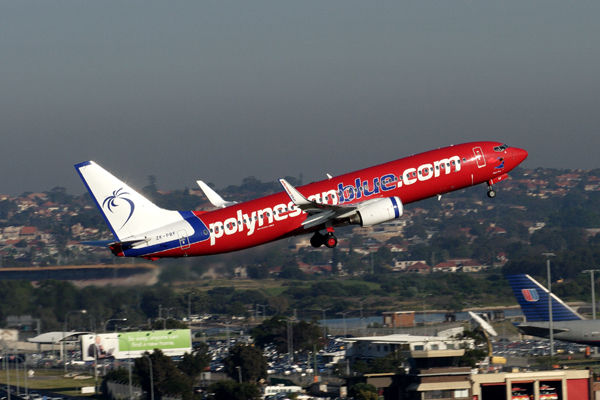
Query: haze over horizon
x=220 y=91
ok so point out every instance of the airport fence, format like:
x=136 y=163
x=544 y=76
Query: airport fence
x=120 y=391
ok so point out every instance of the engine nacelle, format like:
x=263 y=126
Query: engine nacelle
x=379 y=211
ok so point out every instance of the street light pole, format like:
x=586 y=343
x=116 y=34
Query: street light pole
x=264 y=307
x=17 y=369
x=7 y=374
x=151 y=377
x=129 y=364
x=548 y=255
x=20 y=359
x=64 y=339
x=239 y=373
x=591 y=271
x=424 y=315
x=362 y=322
x=343 y=313
x=190 y=309
x=324 y=323
x=114 y=319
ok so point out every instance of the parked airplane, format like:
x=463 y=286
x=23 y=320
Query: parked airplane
x=366 y=197
x=567 y=324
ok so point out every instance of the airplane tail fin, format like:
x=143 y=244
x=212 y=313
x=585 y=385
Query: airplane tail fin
x=128 y=214
x=533 y=299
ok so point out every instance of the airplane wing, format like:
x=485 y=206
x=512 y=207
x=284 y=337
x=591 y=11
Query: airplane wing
x=213 y=197
x=366 y=213
x=318 y=213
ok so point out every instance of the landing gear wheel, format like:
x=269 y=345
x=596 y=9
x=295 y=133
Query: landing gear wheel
x=330 y=241
x=491 y=193
x=317 y=240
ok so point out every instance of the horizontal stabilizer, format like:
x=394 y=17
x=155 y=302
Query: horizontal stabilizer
x=213 y=197
x=106 y=243
x=99 y=243
x=539 y=330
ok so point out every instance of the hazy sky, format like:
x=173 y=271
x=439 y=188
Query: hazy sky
x=219 y=90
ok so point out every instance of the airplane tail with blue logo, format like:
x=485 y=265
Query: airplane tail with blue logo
x=533 y=299
x=128 y=214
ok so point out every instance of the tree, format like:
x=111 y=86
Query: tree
x=472 y=356
x=258 y=271
x=118 y=375
x=278 y=304
x=167 y=378
x=415 y=230
x=168 y=323
x=306 y=335
x=250 y=360
x=271 y=331
x=292 y=272
x=231 y=390
x=194 y=364
x=392 y=363
x=151 y=190
x=363 y=391
x=274 y=331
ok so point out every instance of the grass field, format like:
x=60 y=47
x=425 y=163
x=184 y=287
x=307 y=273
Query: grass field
x=51 y=379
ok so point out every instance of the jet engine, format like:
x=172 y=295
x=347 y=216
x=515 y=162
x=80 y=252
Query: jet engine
x=378 y=211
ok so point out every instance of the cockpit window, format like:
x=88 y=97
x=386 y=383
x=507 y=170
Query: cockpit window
x=501 y=148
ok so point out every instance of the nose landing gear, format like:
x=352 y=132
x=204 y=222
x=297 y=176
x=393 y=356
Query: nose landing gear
x=491 y=192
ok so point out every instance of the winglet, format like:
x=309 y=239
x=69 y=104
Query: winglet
x=297 y=197
x=213 y=197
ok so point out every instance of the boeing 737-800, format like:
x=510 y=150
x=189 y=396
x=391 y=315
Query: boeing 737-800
x=366 y=197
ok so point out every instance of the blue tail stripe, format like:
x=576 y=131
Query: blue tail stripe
x=533 y=299
x=200 y=234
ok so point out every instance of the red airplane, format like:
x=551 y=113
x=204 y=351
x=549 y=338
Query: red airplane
x=366 y=197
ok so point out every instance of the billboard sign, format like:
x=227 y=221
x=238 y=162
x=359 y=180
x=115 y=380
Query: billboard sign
x=134 y=344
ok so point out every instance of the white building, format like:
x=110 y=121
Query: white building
x=380 y=346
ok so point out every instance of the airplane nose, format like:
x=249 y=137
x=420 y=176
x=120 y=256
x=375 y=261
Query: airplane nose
x=519 y=155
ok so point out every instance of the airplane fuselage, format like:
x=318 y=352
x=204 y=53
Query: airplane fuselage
x=274 y=217
x=585 y=331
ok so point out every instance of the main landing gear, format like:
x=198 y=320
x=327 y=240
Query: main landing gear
x=328 y=239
